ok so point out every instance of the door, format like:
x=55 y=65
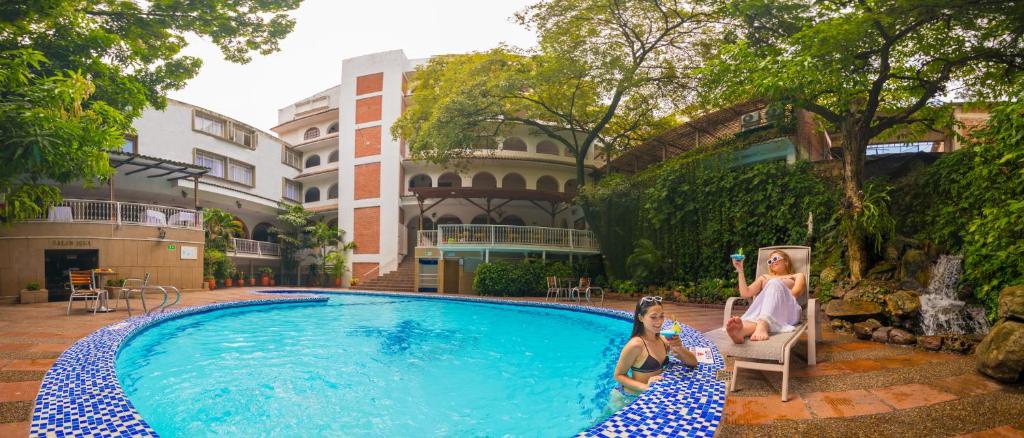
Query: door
x=59 y=262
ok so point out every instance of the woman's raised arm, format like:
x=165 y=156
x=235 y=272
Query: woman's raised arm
x=745 y=290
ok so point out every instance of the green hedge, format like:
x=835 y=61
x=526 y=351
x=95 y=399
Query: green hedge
x=698 y=208
x=508 y=278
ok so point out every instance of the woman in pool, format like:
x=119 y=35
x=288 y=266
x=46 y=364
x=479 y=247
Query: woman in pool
x=775 y=309
x=646 y=354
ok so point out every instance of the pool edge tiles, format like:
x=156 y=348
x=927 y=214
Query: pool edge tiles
x=80 y=394
x=687 y=402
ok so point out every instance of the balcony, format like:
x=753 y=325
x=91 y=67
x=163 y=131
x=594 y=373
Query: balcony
x=247 y=248
x=118 y=213
x=508 y=237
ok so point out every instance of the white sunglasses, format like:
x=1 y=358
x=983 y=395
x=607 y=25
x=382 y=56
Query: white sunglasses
x=775 y=258
x=648 y=299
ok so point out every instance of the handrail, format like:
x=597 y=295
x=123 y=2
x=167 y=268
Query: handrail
x=509 y=235
x=255 y=247
x=109 y=212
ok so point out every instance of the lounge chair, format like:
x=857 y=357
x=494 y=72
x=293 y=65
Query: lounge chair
x=773 y=354
x=554 y=288
x=584 y=288
x=83 y=288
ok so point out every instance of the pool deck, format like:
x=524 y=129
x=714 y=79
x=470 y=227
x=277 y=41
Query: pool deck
x=858 y=388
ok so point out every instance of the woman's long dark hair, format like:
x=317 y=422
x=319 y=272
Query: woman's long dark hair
x=641 y=309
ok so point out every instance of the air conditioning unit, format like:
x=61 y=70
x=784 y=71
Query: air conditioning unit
x=751 y=120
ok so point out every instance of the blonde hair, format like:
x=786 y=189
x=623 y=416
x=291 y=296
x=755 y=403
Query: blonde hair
x=785 y=256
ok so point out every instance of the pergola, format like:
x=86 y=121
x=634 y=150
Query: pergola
x=161 y=167
x=706 y=129
x=485 y=199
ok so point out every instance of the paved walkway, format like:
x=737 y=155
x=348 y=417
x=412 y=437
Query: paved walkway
x=857 y=389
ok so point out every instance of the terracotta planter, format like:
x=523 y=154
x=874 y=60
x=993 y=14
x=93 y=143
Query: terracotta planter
x=273 y=282
x=229 y=282
x=211 y=283
x=265 y=280
x=337 y=282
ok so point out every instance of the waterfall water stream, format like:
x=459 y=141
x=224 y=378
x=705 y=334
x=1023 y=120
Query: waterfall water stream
x=941 y=311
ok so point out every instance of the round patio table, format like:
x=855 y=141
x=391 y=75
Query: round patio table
x=104 y=297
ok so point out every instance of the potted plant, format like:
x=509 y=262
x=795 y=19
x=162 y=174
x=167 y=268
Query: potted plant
x=265 y=273
x=210 y=282
x=229 y=278
x=32 y=293
x=335 y=262
x=113 y=286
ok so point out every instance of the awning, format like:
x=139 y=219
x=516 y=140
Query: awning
x=157 y=167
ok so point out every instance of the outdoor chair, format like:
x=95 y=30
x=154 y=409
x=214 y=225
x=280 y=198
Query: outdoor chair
x=84 y=288
x=133 y=285
x=554 y=288
x=773 y=354
x=585 y=288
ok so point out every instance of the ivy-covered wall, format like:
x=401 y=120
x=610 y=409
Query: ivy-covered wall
x=698 y=208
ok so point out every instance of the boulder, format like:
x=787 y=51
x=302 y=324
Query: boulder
x=839 y=325
x=882 y=271
x=1001 y=353
x=903 y=303
x=870 y=290
x=915 y=265
x=829 y=274
x=881 y=334
x=933 y=343
x=864 y=329
x=901 y=337
x=852 y=310
x=958 y=343
x=1011 y=302
x=895 y=248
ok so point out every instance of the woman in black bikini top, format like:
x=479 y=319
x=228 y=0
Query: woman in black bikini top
x=645 y=356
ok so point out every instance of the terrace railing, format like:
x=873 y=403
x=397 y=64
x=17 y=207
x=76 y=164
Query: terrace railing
x=108 y=212
x=254 y=248
x=510 y=236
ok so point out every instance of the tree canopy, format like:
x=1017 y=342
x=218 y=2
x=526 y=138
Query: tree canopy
x=606 y=72
x=868 y=68
x=74 y=74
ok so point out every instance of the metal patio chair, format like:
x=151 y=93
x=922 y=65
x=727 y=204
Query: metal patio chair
x=84 y=288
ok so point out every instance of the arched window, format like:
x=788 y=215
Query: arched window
x=512 y=220
x=449 y=219
x=421 y=180
x=312 y=195
x=480 y=219
x=571 y=186
x=333 y=157
x=484 y=180
x=449 y=179
x=547 y=147
x=311 y=133
x=514 y=144
x=513 y=181
x=332 y=192
x=547 y=184
x=262 y=233
x=313 y=160
x=333 y=128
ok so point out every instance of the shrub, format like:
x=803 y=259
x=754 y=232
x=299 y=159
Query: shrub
x=513 y=278
x=709 y=291
x=32 y=285
x=217 y=264
x=625 y=286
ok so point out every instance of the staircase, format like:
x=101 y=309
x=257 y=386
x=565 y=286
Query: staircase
x=399 y=280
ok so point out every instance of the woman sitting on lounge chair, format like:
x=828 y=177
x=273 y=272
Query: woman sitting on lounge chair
x=646 y=353
x=775 y=308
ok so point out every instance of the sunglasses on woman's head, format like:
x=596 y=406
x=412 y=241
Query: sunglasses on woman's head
x=649 y=299
x=774 y=259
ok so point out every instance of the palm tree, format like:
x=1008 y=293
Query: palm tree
x=220 y=227
x=326 y=239
x=293 y=219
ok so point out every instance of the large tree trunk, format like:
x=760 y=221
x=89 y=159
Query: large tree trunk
x=854 y=151
x=580 y=171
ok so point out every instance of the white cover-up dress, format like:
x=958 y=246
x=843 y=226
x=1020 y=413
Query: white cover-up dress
x=775 y=305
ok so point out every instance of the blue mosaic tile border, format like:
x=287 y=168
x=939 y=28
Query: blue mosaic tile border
x=81 y=396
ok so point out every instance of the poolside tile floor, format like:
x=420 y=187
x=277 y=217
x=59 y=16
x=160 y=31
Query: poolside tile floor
x=858 y=388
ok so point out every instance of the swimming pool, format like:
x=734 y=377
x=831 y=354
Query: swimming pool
x=374 y=365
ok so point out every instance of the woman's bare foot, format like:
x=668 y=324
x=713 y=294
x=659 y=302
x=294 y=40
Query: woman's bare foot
x=761 y=332
x=734 y=327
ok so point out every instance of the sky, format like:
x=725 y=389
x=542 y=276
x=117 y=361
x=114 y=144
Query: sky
x=328 y=31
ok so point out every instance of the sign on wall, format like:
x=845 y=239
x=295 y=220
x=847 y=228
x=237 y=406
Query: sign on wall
x=189 y=253
x=70 y=243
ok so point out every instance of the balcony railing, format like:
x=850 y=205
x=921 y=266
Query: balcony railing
x=254 y=248
x=477 y=236
x=108 y=212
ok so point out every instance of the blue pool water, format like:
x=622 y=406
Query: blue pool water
x=374 y=366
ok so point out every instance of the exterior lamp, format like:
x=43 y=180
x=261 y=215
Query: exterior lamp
x=161 y=233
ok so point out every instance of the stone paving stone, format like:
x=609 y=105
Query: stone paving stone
x=29 y=364
x=999 y=432
x=967 y=385
x=19 y=391
x=844 y=403
x=912 y=395
x=762 y=410
x=11 y=347
x=50 y=348
x=18 y=429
